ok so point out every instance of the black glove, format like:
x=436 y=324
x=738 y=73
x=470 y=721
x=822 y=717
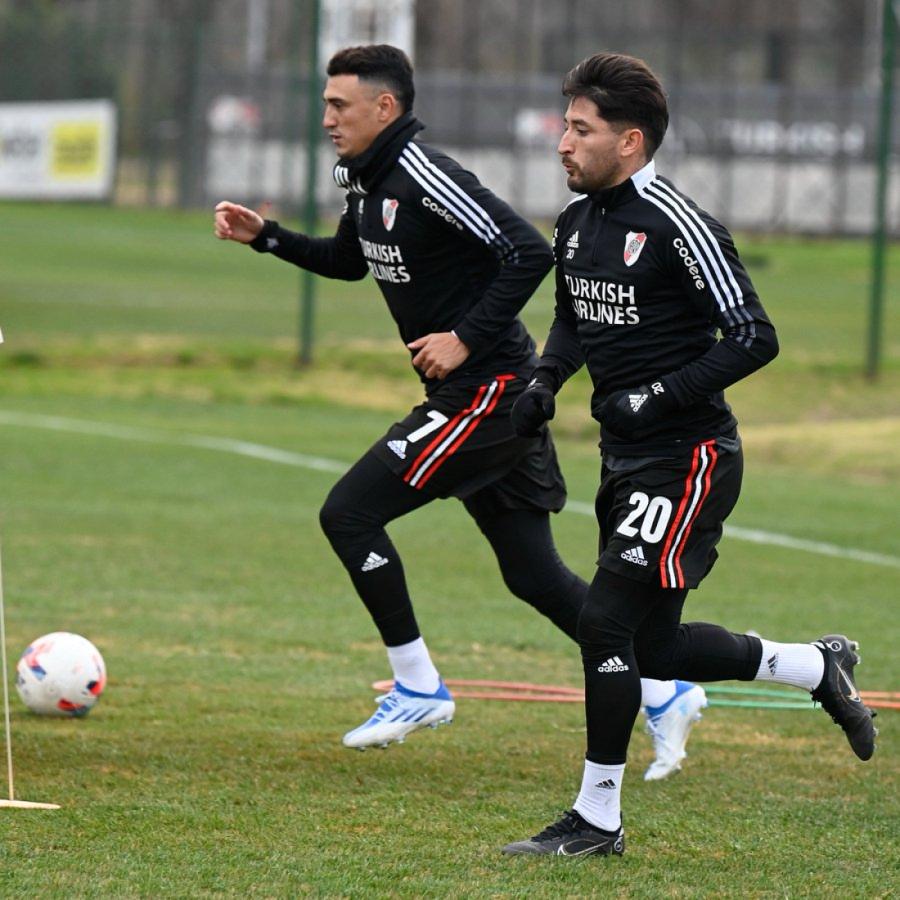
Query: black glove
x=635 y=412
x=534 y=406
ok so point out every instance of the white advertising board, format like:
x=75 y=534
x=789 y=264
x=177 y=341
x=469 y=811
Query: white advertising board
x=57 y=151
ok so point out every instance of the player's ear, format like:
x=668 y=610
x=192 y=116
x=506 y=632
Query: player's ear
x=388 y=106
x=632 y=141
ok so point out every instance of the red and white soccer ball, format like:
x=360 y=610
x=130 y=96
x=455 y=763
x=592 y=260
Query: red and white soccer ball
x=61 y=674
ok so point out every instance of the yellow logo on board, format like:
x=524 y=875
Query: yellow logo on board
x=75 y=149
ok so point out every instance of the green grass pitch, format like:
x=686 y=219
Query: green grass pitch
x=238 y=654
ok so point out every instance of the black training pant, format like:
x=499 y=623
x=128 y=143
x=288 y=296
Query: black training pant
x=659 y=524
x=369 y=496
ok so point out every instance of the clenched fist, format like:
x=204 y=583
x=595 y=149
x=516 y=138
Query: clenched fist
x=634 y=413
x=533 y=407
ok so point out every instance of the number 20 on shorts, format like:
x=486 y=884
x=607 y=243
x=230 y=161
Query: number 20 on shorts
x=653 y=514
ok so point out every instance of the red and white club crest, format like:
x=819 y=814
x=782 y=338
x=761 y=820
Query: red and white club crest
x=634 y=243
x=389 y=213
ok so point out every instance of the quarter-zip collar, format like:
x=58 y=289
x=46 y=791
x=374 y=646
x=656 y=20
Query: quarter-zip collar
x=610 y=198
x=363 y=173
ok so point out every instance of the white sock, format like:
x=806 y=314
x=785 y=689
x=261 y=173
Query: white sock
x=656 y=693
x=413 y=667
x=598 y=800
x=801 y=665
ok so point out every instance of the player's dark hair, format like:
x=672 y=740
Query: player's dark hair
x=379 y=64
x=625 y=91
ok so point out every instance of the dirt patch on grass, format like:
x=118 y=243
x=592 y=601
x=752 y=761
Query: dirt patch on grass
x=865 y=449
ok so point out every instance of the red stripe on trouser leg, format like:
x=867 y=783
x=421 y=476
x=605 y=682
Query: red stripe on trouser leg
x=447 y=429
x=470 y=428
x=688 y=490
x=707 y=482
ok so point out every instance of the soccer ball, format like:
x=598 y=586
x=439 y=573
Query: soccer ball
x=61 y=674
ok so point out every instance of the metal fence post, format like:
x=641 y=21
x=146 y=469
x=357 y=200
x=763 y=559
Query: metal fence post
x=879 y=242
x=310 y=219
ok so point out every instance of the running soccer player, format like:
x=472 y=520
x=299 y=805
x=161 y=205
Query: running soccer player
x=455 y=265
x=644 y=280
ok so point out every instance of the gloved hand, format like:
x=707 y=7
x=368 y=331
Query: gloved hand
x=635 y=412
x=534 y=406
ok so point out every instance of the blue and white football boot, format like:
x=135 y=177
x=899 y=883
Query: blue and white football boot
x=669 y=725
x=401 y=712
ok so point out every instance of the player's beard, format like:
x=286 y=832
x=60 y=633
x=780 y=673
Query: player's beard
x=606 y=174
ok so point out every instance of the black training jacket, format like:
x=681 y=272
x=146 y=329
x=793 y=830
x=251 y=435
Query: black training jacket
x=644 y=281
x=445 y=252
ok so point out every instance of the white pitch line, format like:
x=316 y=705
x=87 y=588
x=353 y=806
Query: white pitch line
x=147 y=435
x=323 y=464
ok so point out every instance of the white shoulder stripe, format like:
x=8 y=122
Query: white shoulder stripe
x=453 y=188
x=692 y=244
x=679 y=201
x=575 y=200
x=427 y=183
x=701 y=252
x=692 y=215
x=690 y=226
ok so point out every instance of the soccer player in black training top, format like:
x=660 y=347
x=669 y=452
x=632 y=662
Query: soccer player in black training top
x=644 y=281
x=455 y=265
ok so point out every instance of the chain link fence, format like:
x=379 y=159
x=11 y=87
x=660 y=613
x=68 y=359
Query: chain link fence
x=773 y=105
